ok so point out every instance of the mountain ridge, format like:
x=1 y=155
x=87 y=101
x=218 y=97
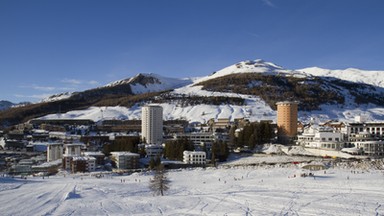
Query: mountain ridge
x=198 y=99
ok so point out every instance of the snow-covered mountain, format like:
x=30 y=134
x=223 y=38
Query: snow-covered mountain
x=255 y=66
x=144 y=83
x=246 y=89
x=375 y=78
x=254 y=107
x=5 y=105
x=57 y=97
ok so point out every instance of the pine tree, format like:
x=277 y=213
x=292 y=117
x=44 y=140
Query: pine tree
x=160 y=183
x=152 y=163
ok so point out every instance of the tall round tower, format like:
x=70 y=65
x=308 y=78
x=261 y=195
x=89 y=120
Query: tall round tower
x=287 y=120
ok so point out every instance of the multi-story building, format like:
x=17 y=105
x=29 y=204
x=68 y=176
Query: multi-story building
x=194 y=157
x=198 y=139
x=54 y=151
x=83 y=164
x=154 y=150
x=221 y=123
x=99 y=156
x=203 y=139
x=366 y=137
x=376 y=129
x=125 y=160
x=287 y=120
x=321 y=138
x=152 y=124
x=367 y=144
x=71 y=151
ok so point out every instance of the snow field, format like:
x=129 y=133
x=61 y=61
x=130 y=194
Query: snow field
x=224 y=191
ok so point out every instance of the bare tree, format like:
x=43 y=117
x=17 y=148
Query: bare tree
x=160 y=183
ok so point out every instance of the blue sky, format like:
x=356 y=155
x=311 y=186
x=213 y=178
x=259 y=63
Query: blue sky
x=55 y=46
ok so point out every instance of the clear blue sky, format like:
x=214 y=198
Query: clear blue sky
x=54 y=46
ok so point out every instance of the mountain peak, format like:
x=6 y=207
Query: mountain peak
x=5 y=105
x=144 y=79
x=248 y=66
x=260 y=63
x=150 y=82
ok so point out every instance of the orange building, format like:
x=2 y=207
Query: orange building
x=287 y=120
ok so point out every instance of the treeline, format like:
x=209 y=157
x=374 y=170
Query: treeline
x=123 y=144
x=310 y=92
x=174 y=148
x=363 y=93
x=256 y=133
x=220 y=151
x=192 y=100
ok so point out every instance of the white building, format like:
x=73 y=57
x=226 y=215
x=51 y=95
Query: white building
x=198 y=139
x=374 y=128
x=194 y=157
x=366 y=143
x=202 y=140
x=125 y=160
x=152 y=124
x=153 y=150
x=54 y=151
x=71 y=151
x=322 y=138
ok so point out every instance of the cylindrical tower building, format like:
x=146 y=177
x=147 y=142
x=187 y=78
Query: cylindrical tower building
x=287 y=120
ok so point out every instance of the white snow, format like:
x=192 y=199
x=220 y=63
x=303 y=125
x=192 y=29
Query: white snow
x=57 y=97
x=228 y=190
x=254 y=109
x=255 y=66
x=375 y=78
x=163 y=84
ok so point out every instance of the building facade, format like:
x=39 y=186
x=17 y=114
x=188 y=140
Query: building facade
x=83 y=164
x=71 y=151
x=54 y=151
x=194 y=157
x=322 y=138
x=154 y=150
x=125 y=160
x=287 y=120
x=152 y=124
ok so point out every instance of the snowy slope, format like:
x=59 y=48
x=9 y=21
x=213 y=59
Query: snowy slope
x=144 y=83
x=225 y=191
x=255 y=108
x=375 y=78
x=57 y=97
x=255 y=66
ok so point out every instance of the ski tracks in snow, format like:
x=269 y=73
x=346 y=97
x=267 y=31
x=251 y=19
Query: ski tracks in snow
x=58 y=199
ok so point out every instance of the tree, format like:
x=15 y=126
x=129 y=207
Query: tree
x=174 y=148
x=219 y=151
x=160 y=183
x=154 y=162
x=232 y=137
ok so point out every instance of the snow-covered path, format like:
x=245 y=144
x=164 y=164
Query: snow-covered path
x=224 y=191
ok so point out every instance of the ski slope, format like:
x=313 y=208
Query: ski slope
x=241 y=190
